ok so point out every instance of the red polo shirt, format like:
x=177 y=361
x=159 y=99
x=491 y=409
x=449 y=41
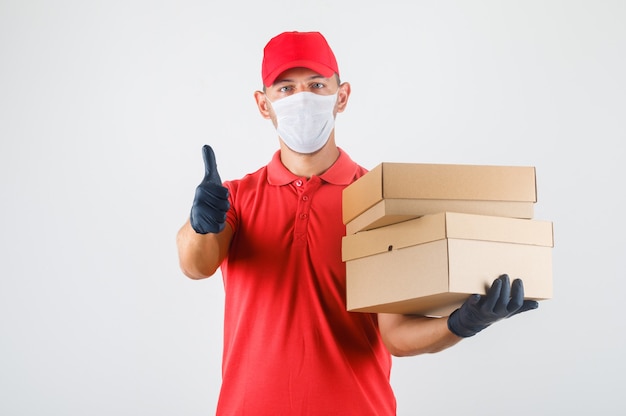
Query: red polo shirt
x=290 y=346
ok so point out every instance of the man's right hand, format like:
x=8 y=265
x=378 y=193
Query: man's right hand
x=210 y=205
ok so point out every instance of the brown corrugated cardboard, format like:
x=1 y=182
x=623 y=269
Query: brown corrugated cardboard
x=430 y=265
x=392 y=211
x=393 y=192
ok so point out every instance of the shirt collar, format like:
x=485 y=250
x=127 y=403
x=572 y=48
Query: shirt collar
x=340 y=173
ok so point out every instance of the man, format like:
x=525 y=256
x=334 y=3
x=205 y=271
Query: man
x=290 y=346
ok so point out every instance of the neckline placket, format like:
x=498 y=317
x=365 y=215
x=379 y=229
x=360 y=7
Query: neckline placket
x=305 y=190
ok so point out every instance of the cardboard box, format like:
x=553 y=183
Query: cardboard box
x=394 y=192
x=430 y=265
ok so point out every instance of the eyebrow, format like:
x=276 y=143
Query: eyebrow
x=311 y=78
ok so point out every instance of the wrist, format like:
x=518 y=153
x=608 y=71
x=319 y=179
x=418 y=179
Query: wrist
x=457 y=328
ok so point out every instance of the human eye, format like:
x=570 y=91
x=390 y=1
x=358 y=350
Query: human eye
x=318 y=85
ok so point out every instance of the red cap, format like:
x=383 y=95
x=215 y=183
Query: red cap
x=297 y=49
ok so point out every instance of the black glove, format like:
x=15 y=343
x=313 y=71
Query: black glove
x=210 y=205
x=478 y=312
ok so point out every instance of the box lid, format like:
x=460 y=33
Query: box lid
x=438 y=181
x=447 y=225
x=391 y=211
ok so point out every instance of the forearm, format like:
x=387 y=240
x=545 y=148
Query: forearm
x=200 y=255
x=408 y=335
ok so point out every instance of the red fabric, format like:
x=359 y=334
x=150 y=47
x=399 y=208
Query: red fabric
x=290 y=346
x=297 y=49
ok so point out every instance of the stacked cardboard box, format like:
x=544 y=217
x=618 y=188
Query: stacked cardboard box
x=422 y=237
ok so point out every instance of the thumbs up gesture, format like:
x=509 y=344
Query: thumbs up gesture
x=210 y=205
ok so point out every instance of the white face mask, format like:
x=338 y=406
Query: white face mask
x=305 y=120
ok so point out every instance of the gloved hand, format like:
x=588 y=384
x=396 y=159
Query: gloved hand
x=210 y=205
x=478 y=312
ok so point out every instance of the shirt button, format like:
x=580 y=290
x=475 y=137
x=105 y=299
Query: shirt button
x=299 y=182
x=305 y=198
x=303 y=216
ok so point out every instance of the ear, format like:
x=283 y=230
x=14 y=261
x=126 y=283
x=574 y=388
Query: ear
x=261 y=102
x=342 y=96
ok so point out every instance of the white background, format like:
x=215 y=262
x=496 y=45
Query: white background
x=104 y=107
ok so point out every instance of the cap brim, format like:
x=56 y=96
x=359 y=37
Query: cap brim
x=321 y=69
